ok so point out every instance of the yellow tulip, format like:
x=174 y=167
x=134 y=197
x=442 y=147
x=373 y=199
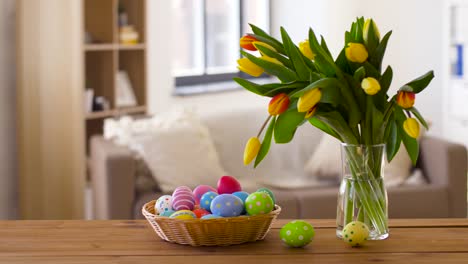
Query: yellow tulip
x=367 y=24
x=311 y=112
x=370 y=85
x=270 y=59
x=263 y=44
x=405 y=99
x=356 y=52
x=251 y=150
x=247 y=66
x=304 y=47
x=309 y=100
x=411 y=127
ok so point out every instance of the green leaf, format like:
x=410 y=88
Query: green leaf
x=250 y=86
x=284 y=88
x=360 y=74
x=342 y=62
x=393 y=141
x=270 y=53
x=372 y=40
x=323 y=83
x=417 y=85
x=336 y=122
x=324 y=46
x=280 y=71
x=265 y=147
x=371 y=71
x=324 y=127
x=419 y=117
x=295 y=56
x=386 y=79
x=286 y=125
x=377 y=56
x=324 y=63
x=265 y=37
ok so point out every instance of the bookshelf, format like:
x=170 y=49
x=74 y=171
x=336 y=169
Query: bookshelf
x=105 y=55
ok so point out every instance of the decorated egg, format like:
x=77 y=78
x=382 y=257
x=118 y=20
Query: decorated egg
x=200 y=190
x=163 y=204
x=183 y=214
x=241 y=195
x=258 y=203
x=228 y=184
x=269 y=192
x=210 y=216
x=200 y=212
x=297 y=233
x=167 y=213
x=205 y=201
x=355 y=233
x=183 y=199
x=227 y=205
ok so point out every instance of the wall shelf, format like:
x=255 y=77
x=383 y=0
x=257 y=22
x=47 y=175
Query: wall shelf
x=116 y=112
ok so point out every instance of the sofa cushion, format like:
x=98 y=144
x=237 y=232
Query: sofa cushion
x=325 y=163
x=176 y=147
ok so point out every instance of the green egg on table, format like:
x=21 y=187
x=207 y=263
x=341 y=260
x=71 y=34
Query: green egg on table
x=258 y=203
x=297 y=233
x=269 y=192
x=355 y=233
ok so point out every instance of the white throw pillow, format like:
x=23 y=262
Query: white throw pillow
x=177 y=148
x=325 y=163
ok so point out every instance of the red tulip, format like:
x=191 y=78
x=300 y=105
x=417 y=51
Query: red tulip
x=246 y=43
x=278 y=104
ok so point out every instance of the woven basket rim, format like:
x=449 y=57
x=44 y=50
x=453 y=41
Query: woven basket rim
x=276 y=211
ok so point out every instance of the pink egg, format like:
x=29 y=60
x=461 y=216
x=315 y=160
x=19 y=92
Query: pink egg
x=228 y=184
x=200 y=190
x=183 y=199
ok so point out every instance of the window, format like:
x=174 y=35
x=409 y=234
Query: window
x=205 y=35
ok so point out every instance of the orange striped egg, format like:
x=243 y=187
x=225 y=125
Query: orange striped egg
x=183 y=199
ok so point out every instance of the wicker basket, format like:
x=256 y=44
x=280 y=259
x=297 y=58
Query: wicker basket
x=210 y=232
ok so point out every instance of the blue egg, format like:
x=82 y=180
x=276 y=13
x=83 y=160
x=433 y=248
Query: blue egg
x=242 y=195
x=210 y=216
x=167 y=213
x=227 y=205
x=205 y=201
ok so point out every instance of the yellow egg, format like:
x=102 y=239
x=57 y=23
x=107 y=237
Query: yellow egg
x=183 y=214
x=355 y=233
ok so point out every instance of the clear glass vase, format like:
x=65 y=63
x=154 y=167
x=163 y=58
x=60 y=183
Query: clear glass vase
x=362 y=195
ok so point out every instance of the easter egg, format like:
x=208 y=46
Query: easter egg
x=258 y=203
x=297 y=233
x=164 y=203
x=200 y=190
x=205 y=201
x=200 y=212
x=228 y=184
x=241 y=195
x=167 y=213
x=183 y=214
x=227 y=205
x=355 y=233
x=269 y=192
x=210 y=216
x=183 y=199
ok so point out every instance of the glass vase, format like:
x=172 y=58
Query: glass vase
x=362 y=195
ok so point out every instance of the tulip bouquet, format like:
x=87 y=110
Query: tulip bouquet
x=345 y=97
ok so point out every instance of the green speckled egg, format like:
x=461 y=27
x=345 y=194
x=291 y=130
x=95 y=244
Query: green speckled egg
x=258 y=203
x=355 y=233
x=297 y=233
x=269 y=192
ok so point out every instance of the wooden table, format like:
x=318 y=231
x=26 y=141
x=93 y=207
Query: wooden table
x=411 y=241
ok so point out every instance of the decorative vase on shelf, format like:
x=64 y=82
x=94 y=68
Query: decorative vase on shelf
x=362 y=195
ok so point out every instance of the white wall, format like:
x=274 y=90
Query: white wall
x=7 y=111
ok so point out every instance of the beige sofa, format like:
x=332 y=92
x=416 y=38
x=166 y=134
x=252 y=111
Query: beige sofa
x=444 y=165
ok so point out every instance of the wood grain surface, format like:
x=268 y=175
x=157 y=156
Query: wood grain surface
x=411 y=241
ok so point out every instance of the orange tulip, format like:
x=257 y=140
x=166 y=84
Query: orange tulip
x=278 y=104
x=405 y=99
x=246 y=42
